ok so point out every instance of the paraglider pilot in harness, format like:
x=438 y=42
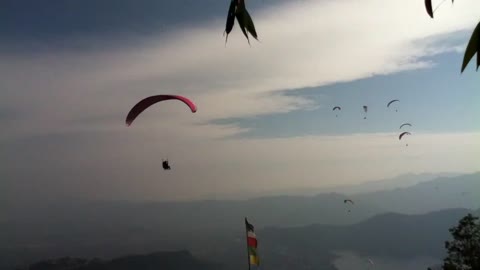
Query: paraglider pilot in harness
x=165 y=165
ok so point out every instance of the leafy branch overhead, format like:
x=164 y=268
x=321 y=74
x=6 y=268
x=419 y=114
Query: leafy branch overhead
x=238 y=10
x=429 y=7
x=473 y=46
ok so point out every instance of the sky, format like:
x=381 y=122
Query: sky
x=71 y=70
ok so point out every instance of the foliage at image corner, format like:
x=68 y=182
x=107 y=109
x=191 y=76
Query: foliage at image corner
x=473 y=46
x=237 y=10
x=464 y=249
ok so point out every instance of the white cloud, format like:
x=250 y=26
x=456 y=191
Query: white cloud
x=303 y=44
x=307 y=43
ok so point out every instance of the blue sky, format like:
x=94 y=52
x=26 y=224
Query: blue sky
x=437 y=99
x=25 y=21
x=71 y=70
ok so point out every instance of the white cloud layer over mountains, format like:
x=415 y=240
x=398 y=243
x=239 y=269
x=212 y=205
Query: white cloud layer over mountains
x=302 y=44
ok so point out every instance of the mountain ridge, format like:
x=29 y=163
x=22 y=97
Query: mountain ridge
x=167 y=260
x=109 y=228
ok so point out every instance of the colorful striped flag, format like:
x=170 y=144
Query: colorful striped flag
x=251 y=245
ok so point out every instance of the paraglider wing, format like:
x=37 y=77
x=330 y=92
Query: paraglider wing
x=403 y=134
x=365 y=109
x=345 y=201
x=406 y=124
x=395 y=100
x=149 y=101
x=337 y=108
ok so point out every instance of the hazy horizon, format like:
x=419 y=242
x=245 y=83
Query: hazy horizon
x=374 y=185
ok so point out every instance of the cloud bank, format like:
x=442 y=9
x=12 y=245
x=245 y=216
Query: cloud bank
x=72 y=101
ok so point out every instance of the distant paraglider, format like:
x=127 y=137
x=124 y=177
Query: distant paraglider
x=403 y=134
x=371 y=264
x=337 y=108
x=392 y=101
x=149 y=101
x=165 y=165
x=406 y=124
x=350 y=201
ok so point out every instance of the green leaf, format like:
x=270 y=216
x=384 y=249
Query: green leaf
x=230 y=18
x=249 y=25
x=428 y=6
x=241 y=23
x=472 y=48
x=240 y=14
x=478 y=56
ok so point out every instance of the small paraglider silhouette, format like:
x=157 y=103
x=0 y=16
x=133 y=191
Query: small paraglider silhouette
x=392 y=101
x=403 y=134
x=406 y=124
x=371 y=262
x=165 y=164
x=337 y=108
x=348 y=200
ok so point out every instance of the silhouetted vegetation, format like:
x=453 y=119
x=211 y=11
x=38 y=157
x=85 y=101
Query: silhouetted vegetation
x=237 y=9
x=464 y=249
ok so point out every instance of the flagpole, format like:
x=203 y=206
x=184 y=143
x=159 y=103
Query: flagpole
x=246 y=235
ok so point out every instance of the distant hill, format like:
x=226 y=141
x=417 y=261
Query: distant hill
x=389 y=235
x=110 y=228
x=304 y=247
x=384 y=235
x=401 y=181
x=441 y=193
x=178 y=260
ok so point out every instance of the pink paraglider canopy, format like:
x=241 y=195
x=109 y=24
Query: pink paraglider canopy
x=149 y=101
